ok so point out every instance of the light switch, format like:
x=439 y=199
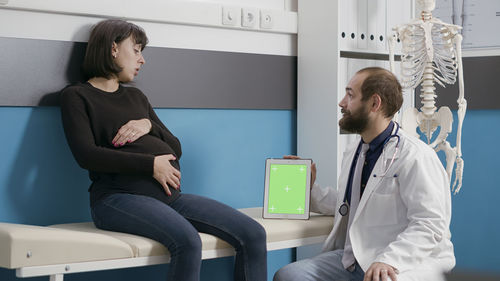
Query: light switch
x=230 y=15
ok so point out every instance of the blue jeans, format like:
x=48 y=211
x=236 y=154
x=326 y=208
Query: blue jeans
x=324 y=267
x=177 y=225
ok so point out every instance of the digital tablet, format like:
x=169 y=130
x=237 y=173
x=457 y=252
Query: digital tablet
x=287 y=189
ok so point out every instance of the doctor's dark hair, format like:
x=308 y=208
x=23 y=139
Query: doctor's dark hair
x=98 y=61
x=382 y=82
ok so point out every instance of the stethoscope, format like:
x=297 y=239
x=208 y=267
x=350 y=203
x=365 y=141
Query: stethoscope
x=344 y=208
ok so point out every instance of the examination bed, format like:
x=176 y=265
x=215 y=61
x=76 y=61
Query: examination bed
x=80 y=247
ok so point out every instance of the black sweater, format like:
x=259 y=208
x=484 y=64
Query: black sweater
x=91 y=119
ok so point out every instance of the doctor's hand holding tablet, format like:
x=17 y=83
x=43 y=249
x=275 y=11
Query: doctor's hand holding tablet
x=288 y=184
x=313 y=167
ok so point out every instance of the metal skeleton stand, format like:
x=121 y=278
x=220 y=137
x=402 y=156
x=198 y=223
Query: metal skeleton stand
x=432 y=53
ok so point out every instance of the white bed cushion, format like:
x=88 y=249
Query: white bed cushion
x=28 y=245
x=277 y=230
x=141 y=246
x=80 y=242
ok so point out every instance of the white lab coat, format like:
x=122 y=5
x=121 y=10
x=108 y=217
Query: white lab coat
x=402 y=221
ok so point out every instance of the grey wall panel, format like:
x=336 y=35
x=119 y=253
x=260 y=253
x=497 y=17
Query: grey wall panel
x=33 y=71
x=208 y=79
x=482 y=91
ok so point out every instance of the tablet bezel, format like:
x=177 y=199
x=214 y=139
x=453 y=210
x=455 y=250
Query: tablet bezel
x=265 y=211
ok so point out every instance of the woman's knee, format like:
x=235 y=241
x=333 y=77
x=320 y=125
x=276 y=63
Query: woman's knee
x=254 y=235
x=186 y=242
x=258 y=233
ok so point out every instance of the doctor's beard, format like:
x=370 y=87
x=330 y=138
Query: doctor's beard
x=354 y=122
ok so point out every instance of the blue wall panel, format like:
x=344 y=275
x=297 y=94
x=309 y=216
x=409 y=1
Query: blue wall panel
x=475 y=226
x=224 y=154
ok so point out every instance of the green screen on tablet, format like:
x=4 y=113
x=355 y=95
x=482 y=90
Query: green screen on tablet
x=287 y=189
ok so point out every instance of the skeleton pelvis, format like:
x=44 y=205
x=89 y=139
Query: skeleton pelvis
x=443 y=118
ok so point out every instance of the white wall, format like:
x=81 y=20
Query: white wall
x=177 y=24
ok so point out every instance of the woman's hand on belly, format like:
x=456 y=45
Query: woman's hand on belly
x=165 y=173
x=131 y=131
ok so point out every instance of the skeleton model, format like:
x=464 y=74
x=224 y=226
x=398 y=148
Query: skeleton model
x=431 y=53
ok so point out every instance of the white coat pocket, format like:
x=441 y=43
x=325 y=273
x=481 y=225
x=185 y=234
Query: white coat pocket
x=382 y=209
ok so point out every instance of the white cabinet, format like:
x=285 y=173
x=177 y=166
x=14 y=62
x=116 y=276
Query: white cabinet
x=334 y=41
x=364 y=25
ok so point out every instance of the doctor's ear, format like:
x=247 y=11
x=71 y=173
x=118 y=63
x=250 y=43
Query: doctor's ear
x=376 y=102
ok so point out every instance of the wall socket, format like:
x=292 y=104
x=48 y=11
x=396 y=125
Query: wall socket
x=246 y=17
x=249 y=17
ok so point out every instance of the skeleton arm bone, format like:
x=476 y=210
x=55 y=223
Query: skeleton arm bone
x=459 y=170
x=462 y=107
x=462 y=103
x=392 y=46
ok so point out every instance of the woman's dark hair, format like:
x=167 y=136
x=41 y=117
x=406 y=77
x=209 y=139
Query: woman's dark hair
x=98 y=61
x=382 y=82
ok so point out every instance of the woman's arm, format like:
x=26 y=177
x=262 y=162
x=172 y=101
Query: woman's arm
x=82 y=143
x=131 y=131
x=160 y=130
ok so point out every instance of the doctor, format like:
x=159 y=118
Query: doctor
x=392 y=206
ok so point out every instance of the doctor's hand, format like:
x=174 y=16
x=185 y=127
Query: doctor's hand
x=165 y=173
x=131 y=131
x=380 y=271
x=313 y=167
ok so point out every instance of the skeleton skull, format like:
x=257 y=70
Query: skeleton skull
x=427 y=5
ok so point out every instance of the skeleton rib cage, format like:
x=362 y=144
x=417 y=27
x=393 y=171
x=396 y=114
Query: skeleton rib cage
x=415 y=53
